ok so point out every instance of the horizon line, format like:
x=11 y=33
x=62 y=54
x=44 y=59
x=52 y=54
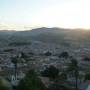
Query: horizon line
x=31 y=28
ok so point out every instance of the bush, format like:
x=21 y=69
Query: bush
x=87 y=76
x=4 y=85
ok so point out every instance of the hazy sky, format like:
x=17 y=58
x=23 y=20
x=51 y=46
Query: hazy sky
x=16 y=14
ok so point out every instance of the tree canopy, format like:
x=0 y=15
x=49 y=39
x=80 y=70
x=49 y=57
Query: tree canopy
x=31 y=82
x=64 y=55
x=51 y=72
x=87 y=76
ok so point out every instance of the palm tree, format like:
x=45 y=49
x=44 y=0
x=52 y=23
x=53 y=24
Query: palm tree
x=73 y=67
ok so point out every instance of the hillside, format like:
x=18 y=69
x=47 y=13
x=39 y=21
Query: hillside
x=61 y=36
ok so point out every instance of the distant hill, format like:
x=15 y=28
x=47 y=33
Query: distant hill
x=66 y=37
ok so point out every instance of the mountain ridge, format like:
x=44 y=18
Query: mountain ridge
x=55 y=35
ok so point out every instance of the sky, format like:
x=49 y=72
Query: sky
x=26 y=14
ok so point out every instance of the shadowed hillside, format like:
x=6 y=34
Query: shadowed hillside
x=49 y=35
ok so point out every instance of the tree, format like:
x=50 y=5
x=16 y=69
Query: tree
x=57 y=86
x=87 y=76
x=31 y=82
x=48 y=53
x=73 y=67
x=23 y=55
x=15 y=61
x=64 y=55
x=31 y=53
x=63 y=76
x=51 y=72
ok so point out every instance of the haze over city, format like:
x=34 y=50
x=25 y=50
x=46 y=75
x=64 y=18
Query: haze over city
x=26 y=14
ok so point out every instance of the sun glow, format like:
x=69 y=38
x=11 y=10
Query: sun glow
x=29 y=14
